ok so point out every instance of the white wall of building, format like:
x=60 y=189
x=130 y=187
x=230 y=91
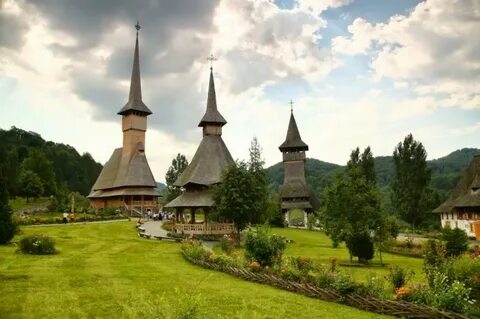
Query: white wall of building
x=452 y=220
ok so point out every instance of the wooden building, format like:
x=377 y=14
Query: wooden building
x=126 y=181
x=462 y=208
x=204 y=171
x=294 y=193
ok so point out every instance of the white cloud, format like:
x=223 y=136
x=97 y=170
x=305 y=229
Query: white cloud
x=434 y=47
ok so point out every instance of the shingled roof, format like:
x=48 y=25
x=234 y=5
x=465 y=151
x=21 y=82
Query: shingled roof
x=210 y=159
x=122 y=171
x=466 y=193
x=201 y=198
x=135 y=102
x=293 y=141
x=212 y=115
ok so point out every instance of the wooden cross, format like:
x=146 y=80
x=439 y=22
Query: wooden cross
x=137 y=26
x=291 y=106
x=211 y=58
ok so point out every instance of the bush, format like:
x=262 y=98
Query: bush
x=373 y=287
x=398 y=277
x=227 y=244
x=264 y=248
x=167 y=225
x=456 y=241
x=361 y=246
x=344 y=284
x=37 y=245
x=195 y=250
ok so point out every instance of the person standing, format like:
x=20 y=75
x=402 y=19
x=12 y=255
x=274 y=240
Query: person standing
x=65 y=215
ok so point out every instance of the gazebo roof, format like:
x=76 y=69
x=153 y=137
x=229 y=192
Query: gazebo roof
x=208 y=163
x=188 y=199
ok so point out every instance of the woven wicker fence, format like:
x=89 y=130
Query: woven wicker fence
x=388 y=307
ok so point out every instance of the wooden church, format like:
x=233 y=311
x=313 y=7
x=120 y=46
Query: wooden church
x=126 y=181
x=205 y=170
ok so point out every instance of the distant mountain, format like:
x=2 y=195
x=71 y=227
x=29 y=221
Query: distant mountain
x=160 y=187
x=445 y=171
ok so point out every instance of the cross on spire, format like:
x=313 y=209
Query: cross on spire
x=291 y=106
x=211 y=58
x=137 y=26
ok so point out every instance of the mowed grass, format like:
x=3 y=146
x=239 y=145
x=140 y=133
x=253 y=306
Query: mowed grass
x=107 y=271
x=318 y=246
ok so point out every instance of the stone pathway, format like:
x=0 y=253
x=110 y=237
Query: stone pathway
x=154 y=228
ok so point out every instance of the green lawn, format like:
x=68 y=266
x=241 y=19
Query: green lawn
x=107 y=271
x=20 y=203
x=318 y=246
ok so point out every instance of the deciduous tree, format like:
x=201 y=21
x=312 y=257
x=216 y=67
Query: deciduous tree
x=410 y=195
x=179 y=163
x=30 y=184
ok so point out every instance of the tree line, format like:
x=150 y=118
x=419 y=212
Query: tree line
x=34 y=167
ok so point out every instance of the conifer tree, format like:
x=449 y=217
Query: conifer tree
x=7 y=227
x=179 y=163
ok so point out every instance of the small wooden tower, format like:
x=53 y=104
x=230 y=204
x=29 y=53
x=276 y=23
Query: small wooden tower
x=205 y=170
x=126 y=181
x=294 y=192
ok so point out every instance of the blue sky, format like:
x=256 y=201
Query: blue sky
x=359 y=72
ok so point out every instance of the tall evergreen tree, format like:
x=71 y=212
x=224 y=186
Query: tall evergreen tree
x=7 y=227
x=179 y=163
x=12 y=171
x=255 y=167
x=410 y=195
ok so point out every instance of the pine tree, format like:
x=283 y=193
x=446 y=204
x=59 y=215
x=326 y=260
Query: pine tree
x=255 y=168
x=7 y=227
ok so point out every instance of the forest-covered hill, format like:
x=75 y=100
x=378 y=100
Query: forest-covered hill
x=445 y=171
x=59 y=166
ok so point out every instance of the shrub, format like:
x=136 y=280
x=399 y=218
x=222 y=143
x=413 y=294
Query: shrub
x=454 y=297
x=361 y=246
x=225 y=261
x=311 y=221
x=373 y=287
x=167 y=225
x=195 y=250
x=262 y=247
x=398 y=277
x=37 y=245
x=456 y=241
x=303 y=264
x=227 y=244
x=344 y=284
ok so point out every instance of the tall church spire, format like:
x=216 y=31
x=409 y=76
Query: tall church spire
x=135 y=102
x=212 y=115
x=293 y=141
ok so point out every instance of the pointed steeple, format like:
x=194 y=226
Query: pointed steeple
x=212 y=115
x=293 y=141
x=135 y=102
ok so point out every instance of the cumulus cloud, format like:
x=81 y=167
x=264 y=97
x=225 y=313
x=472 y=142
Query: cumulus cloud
x=434 y=46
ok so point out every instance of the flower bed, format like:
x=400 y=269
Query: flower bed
x=32 y=220
x=328 y=284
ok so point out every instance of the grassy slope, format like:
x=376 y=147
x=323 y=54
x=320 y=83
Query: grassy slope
x=318 y=246
x=105 y=271
x=20 y=203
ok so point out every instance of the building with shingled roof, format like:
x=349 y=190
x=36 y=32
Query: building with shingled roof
x=204 y=171
x=126 y=181
x=294 y=193
x=462 y=208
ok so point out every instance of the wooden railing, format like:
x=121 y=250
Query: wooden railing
x=211 y=228
x=145 y=203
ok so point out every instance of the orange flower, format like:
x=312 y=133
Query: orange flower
x=254 y=265
x=401 y=292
